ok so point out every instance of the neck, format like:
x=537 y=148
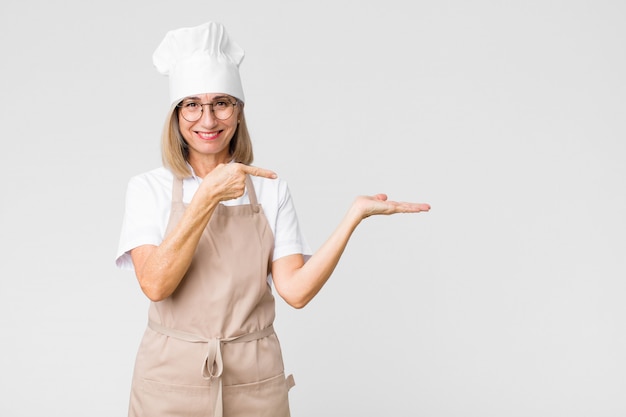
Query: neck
x=202 y=166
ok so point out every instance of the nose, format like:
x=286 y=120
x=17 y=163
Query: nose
x=208 y=118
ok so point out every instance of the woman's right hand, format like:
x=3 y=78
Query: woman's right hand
x=160 y=268
x=228 y=181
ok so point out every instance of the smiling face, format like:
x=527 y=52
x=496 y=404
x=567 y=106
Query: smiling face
x=208 y=138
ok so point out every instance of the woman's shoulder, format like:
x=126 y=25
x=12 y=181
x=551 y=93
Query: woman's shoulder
x=156 y=182
x=156 y=177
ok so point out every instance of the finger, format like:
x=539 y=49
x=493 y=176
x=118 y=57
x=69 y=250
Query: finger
x=259 y=172
x=404 y=207
x=381 y=197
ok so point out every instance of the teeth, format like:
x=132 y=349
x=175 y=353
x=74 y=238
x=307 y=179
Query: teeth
x=206 y=135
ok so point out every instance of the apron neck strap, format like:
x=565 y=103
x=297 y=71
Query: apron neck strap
x=252 y=193
x=177 y=190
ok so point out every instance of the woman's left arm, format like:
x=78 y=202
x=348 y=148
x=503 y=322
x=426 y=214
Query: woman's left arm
x=298 y=282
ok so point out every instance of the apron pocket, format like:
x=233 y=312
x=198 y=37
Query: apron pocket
x=267 y=398
x=162 y=399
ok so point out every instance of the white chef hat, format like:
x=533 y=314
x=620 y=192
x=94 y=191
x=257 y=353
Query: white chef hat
x=199 y=60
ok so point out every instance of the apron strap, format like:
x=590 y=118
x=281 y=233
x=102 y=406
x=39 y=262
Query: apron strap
x=177 y=191
x=252 y=194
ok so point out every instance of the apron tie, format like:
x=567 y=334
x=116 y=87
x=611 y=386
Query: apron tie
x=213 y=364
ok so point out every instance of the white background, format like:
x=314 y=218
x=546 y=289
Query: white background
x=507 y=299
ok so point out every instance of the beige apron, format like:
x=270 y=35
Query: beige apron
x=210 y=348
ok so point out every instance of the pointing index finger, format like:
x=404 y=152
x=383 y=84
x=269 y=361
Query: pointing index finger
x=259 y=172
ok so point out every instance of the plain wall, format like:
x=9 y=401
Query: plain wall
x=507 y=299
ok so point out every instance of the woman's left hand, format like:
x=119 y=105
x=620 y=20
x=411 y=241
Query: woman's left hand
x=298 y=282
x=366 y=206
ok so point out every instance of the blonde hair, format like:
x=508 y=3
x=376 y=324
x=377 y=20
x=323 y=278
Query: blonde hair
x=174 y=148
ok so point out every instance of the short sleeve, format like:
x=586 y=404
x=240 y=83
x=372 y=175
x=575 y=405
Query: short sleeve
x=146 y=207
x=289 y=239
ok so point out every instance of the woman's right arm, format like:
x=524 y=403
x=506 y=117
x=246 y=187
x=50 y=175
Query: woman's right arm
x=160 y=269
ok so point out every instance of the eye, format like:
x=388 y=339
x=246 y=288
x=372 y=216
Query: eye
x=191 y=105
x=221 y=104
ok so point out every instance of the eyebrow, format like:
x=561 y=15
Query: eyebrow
x=213 y=99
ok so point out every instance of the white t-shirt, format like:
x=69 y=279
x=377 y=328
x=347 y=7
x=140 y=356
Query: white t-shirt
x=149 y=201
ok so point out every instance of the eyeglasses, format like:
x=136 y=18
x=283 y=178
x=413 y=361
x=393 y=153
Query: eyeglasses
x=191 y=110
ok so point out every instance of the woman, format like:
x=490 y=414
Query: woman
x=207 y=234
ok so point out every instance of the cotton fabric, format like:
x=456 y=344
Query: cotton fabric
x=210 y=349
x=148 y=203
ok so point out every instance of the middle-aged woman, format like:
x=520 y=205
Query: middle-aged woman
x=207 y=234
